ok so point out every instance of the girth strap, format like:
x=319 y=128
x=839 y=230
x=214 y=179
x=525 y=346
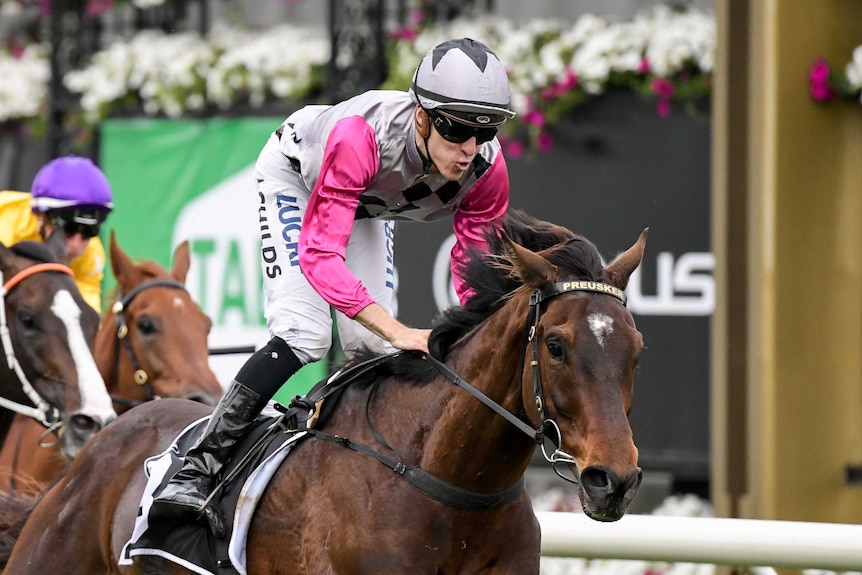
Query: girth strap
x=430 y=485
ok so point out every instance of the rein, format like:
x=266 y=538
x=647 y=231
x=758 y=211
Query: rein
x=43 y=412
x=119 y=308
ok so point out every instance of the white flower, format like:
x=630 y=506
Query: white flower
x=24 y=89
x=854 y=69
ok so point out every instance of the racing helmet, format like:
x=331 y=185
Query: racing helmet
x=464 y=79
x=74 y=193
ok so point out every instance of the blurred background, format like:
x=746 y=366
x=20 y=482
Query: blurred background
x=732 y=129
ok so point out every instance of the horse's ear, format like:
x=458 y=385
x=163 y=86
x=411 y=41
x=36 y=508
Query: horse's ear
x=7 y=257
x=533 y=269
x=56 y=242
x=181 y=262
x=621 y=268
x=121 y=264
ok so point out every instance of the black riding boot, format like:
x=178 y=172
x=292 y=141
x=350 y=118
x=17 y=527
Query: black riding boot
x=184 y=496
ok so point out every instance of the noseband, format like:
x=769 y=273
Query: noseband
x=119 y=309
x=43 y=412
x=558 y=457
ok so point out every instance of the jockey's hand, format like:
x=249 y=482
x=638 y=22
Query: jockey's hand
x=383 y=324
x=411 y=338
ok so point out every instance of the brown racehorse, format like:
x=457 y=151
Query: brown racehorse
x=163 y=353
x=47 y=333
x=547 y=340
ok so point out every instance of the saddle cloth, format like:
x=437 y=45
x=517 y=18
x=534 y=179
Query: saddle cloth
x=191 y=544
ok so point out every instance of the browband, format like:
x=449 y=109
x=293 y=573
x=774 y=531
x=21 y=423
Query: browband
x=563 y=287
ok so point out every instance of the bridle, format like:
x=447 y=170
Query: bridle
x=41 y=411
x=558 y=457
x=119 y=309
x=427 y=483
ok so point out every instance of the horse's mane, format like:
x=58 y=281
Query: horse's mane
x=492 y=284
x=36 y=251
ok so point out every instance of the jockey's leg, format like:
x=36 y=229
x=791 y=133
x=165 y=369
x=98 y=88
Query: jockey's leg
x=300 y=325
x=184 y=496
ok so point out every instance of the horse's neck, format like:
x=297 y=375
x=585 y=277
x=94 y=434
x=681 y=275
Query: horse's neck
x=105 y=353
x=469 y=439
x=6 y=419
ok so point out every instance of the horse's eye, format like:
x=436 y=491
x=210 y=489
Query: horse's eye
x=27 y=320
x=146 y=326
x=555 y=350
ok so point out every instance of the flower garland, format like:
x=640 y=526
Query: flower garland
x=180 y=74
x=664 y=53
x=825 y=84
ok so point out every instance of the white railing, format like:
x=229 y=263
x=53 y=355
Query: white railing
x=721 y=541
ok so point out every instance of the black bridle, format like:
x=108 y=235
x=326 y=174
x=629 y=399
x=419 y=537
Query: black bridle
x=558 y=457
x=119 y=309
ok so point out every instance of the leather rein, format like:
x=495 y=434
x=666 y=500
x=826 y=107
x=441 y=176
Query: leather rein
x=119 y=309
x=452 y=495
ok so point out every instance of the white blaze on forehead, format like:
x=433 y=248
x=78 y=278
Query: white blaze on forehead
x=178 y=302
x=95 y=401
x=602 y=326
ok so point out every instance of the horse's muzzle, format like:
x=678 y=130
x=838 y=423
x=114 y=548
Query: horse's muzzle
x=604 y=495
x=77 y=430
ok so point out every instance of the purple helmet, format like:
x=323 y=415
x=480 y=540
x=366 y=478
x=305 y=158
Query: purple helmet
x=71 y=182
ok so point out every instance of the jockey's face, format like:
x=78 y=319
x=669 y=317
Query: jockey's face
x=450 y=159
x=76 y=244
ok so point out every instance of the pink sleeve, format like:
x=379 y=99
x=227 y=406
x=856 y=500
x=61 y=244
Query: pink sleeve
x=484 y=204
x=350 y=161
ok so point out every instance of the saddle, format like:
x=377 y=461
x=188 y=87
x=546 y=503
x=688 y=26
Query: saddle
x=266 y=444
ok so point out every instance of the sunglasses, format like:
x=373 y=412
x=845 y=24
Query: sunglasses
x=71 y=227
x=458 y=133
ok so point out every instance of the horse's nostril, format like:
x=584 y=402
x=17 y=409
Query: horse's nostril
x=83 y=425
x=595 y=479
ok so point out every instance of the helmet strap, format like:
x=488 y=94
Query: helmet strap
x=427 y=162
x=424 y=130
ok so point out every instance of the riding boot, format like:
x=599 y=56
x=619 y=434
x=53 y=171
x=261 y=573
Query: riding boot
x=185 y=495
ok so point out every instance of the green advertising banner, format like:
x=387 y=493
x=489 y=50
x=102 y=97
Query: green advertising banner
x=178 y=180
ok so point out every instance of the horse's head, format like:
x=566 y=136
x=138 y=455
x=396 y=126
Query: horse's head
x=579 y=370
x=49 y=370
x=153 y=341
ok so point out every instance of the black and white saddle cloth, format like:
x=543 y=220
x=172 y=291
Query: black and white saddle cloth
x=191 y=544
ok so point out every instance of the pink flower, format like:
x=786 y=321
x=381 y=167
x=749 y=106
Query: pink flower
x=44 y=7
x=818 y=78
x=16 y=50
x=96 y=7
x=819 y=72
x=534 y=118
x=417 y=16
x=644 y=67
x=544 y=142
x=551 y=92
x=662 y=108
x=821 y=92
x=515 y=149
x=570 y=81
x=662 y=87
x=405 y=33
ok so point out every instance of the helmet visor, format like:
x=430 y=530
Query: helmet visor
x=458 y=132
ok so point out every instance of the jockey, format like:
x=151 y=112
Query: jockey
x=331 y=180
x=71 y=193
